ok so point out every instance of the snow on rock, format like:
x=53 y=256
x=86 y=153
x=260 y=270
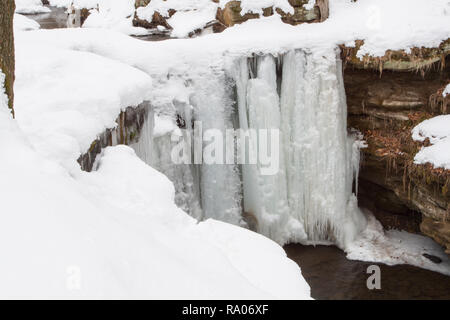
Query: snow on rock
x=437 y=130
x=30 y=7
x=396 y=247
x=111 y=14
x=392 y=24
x=23 y=23
x=446 y=91
x=185 y=22
x=190 y=15
x=116 y=232
x=252 y=6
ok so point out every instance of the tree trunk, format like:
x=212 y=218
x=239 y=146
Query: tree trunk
x=7 y=64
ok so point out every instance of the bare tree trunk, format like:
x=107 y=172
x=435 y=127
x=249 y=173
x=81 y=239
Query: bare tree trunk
x=7 y=63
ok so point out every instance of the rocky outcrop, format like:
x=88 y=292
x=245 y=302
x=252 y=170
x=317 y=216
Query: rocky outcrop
x=418 y=59
x=232 y=14
x=77 y=17
x=385 y=106
x=129 y=125
x=438 y=230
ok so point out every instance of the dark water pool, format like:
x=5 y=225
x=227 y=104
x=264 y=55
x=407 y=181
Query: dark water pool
x=331 y=276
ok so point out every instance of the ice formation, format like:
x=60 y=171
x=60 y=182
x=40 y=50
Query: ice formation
x=310 y=199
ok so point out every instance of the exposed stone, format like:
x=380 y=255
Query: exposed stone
x=129 y=125
x=385 y=108
x=157 y=18
x=77 y=17
x=141 y=3
x=232 y=13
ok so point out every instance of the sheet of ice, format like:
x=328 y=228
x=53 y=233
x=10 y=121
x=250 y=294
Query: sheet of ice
x=116 y=233
x=30 y=7
x=396 y=247
x=437 y=130
x=23 y=23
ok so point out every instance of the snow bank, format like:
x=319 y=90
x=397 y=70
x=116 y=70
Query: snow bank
x=437 y=130
x=22 y=23
x=396 y=247
x=30 y=7
x=65 y=98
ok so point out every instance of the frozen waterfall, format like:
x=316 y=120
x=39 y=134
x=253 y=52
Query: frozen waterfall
x=311 y=197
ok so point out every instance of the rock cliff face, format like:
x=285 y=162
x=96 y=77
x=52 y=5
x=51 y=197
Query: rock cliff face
x=385 y=107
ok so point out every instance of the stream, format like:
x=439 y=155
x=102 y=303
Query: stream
x=332 y=276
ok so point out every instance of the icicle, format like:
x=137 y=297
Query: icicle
x=220 y=184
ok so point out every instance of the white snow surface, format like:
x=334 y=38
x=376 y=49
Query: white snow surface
x=116 y=233
x=65 y=98
x=258 y=6
x=30 y=7
x=23 y=23
x=396 y=247
x=437 y=130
